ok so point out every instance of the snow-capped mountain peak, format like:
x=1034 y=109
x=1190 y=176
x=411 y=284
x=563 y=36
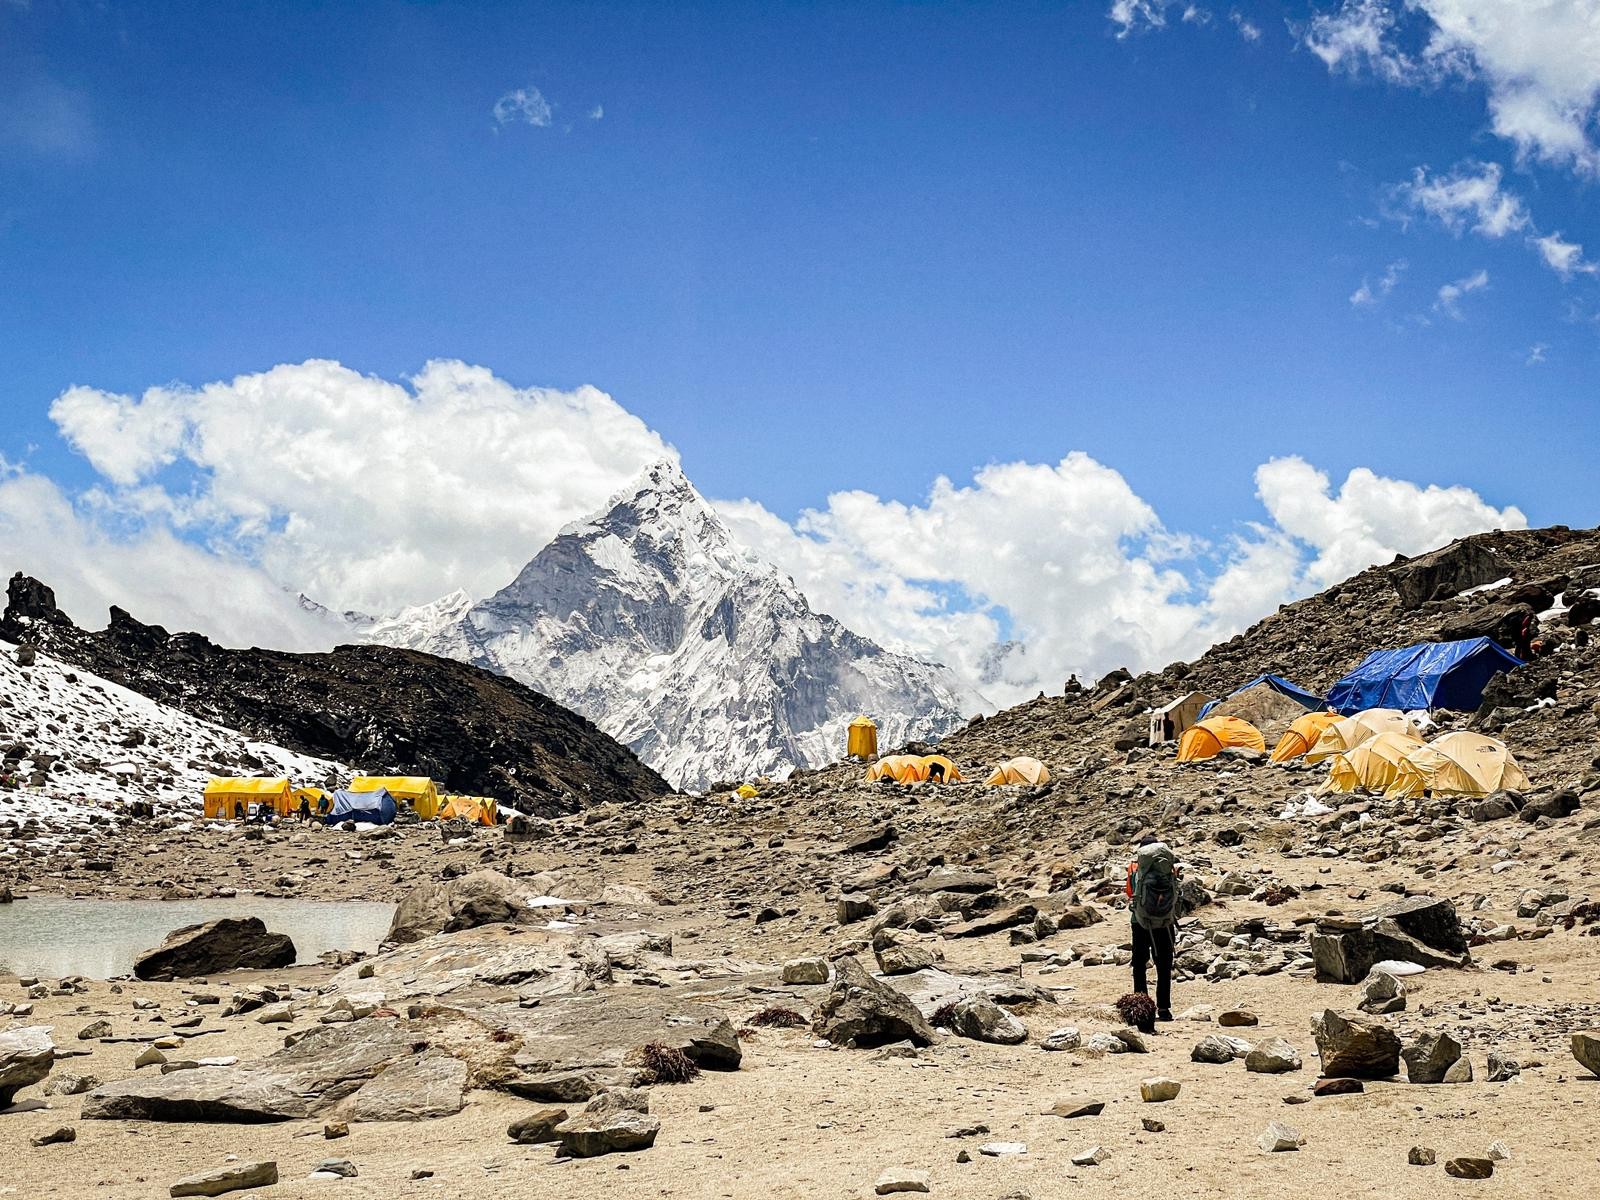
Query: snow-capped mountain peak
x=651 y=619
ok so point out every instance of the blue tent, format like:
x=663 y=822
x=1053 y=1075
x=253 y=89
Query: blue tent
x=375 y=808
x=1278 y=684
x=1429 y=675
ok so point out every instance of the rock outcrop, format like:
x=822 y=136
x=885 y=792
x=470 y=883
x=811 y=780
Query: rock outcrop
x=229 y=944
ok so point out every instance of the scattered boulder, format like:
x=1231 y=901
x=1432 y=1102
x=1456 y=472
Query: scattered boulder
x=904 y=958
x=1422 y=1156
x=1076 y=1107
x=853 y=907
x=1213 y=1049
x=56 y=1137
x=1355 y=1046
x=1158 y=1090
x=607 y=1131
x=1278 y=1137
x=538 y=1126
x=1382 y=993
x=26 y=1056
x=1586 y=1049
x=864 y=1012
x=982 y=1020
x=1272 y=1057
x=1430 y=1057
x=233 y=1177
x=479 y=898
x=901 y=1179
x=229 y=944
x=1469 y=1168
x=805 y=971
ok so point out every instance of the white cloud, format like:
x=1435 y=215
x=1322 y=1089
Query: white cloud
x=1536 y=354
x=362 y=492
x=597 y=112
x=1193 y=14
x=369 y=494
x=1248 y=29
x=1450 y=294
x=1370 y=294
x=525 y=106
x=1538 y=61
x=1129 y=16
x=1083 y=572
x=1563 y=257
x=1469 y=197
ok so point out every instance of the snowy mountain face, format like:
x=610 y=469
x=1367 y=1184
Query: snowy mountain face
x=74 y=744
x=651 y=620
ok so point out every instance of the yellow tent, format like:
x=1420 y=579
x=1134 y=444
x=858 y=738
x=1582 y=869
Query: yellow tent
x=1022 y=770
x=746 y=791
x=467 y=808
x=1373 y=765
x=1458 y=764
x=1345 y=735
x=319 y=800
x=861 y=740
x=416 y=790
x=948 y=771
x=1302 y=735
x=1206 y=739
x=227 y=798
x=902 y=768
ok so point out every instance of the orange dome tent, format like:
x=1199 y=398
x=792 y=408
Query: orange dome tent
x=1023 y=770
x=1302 y=735
x=950 y=772
x=1206 y=739
x=902 y=768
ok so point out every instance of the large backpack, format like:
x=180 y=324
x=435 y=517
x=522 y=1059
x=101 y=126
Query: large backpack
x=1155 y=887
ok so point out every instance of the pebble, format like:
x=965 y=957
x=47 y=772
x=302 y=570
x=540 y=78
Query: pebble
x=1151 y=1125
x=1277 y=1137
x=1091 y=1157
x=1422 y=1156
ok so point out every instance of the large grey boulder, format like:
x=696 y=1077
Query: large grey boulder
x=982 y=1020
x=234 y=1177
x=1355 y=1047
x=1429 y=1058
x=606 y=1131
x=1586 y=1049
x=229 y=944
x=26 y=1056
x=1446 y=572
x=216 y=1095
x=481 y=898
x=863 y=1012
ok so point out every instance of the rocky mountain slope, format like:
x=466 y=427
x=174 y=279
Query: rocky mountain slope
x=379 y=709
x=651 y=619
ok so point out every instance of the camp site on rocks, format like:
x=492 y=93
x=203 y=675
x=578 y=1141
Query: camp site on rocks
x=871 y=977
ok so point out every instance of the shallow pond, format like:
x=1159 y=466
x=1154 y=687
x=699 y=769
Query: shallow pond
x=100 y=938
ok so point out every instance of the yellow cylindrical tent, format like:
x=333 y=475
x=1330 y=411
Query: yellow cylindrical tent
x=1346 y=734
x=1302 y=735
x=1458 y=764
x=226 y=798
x=416 y=790
x=1206 y=739
x=1019 y=771
x=947 y=771
x=902 y=768
x=861 y=740
x=1373 y=765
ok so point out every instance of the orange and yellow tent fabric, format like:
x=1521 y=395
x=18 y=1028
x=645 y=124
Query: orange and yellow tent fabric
x=224 y=797
x=861 y=739
x=1346 y=734
x=902 y=768
x=1458 y=764
x=416 y=790
x=1302 y=735
x=1372 y=766
x=1208 y=738
x=950 y=773
x=1019 y=771
x=479 y=809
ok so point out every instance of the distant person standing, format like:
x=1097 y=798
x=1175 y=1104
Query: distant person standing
x=1153 y=902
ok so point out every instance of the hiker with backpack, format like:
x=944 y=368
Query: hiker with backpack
x=1153 y=901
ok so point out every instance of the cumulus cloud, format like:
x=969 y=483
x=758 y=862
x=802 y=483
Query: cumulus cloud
x=1469 y=197
x=362 y=492
x=1538 y=61
x=1068 y=559
x=1449 y=301
x=525 y=106
x=1563 y=257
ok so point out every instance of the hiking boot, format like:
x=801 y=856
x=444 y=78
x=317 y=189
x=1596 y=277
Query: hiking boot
x=1163 y=1014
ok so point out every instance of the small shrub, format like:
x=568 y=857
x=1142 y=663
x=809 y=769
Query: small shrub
x=778 y=1017
x=944 y=1017
x=1137 y=1009
x=668 y=1064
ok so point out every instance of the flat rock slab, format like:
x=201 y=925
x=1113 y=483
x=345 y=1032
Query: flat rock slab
x=230 y=944
x=211 y=1094
x=431 y=1085
x=1071 y=1108
x=26 y=1056
x=901 y=1179
x=234 y=1177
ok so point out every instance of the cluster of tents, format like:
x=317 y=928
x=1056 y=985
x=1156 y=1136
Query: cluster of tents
x=1363 y=728
x=923 y=768
x=373 y=799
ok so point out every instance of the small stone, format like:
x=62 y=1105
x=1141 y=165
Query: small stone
x=65 y=1133
x=537 y=1127
x=901 y=1179
x=1062 y=1039
x=1151 y=1125
x=335 y=1129
x=422 y=1173
x=1500 y=1152
x=1272 y=1057
x=1002 y=1149
x=1091 y=1157
x=1460 y=1071
x=1422 y=1156
x=1075 y=1108
x=963 y=1157
x=1429 y=1057
x=94 y=1031
x=1278 y=1137
x=1337 y=1087
x=1158 y=1090
x=334 y=1168
x=1212 y=1049
x=231 y=1178
x=1234 y=1018
x=150 y=1057
x=1502 y=1069
x=1469 y=1168
x=805 y=971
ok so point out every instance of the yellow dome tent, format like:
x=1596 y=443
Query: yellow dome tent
x=746 y=791
x=1206 y=739
x=1302 y=734
x=1346 y=734
x=318 y=799
x=1021 y=770
x=1372 y=766
x=478 y=809
x=228 y=798
x=416 y=790
x=902 y=768
x=861 y=739
x=1458 y=764
x=950 y=773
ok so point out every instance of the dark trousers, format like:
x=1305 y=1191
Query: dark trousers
x=1156 y=943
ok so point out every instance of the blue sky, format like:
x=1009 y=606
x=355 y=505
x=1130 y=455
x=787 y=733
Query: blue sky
x=815 y=247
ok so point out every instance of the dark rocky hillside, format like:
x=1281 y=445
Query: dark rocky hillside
x=379 y=709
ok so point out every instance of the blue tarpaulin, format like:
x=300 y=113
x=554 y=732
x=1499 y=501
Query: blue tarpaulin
x=1429 y=675
x=1278 y=684
x=375 y=808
